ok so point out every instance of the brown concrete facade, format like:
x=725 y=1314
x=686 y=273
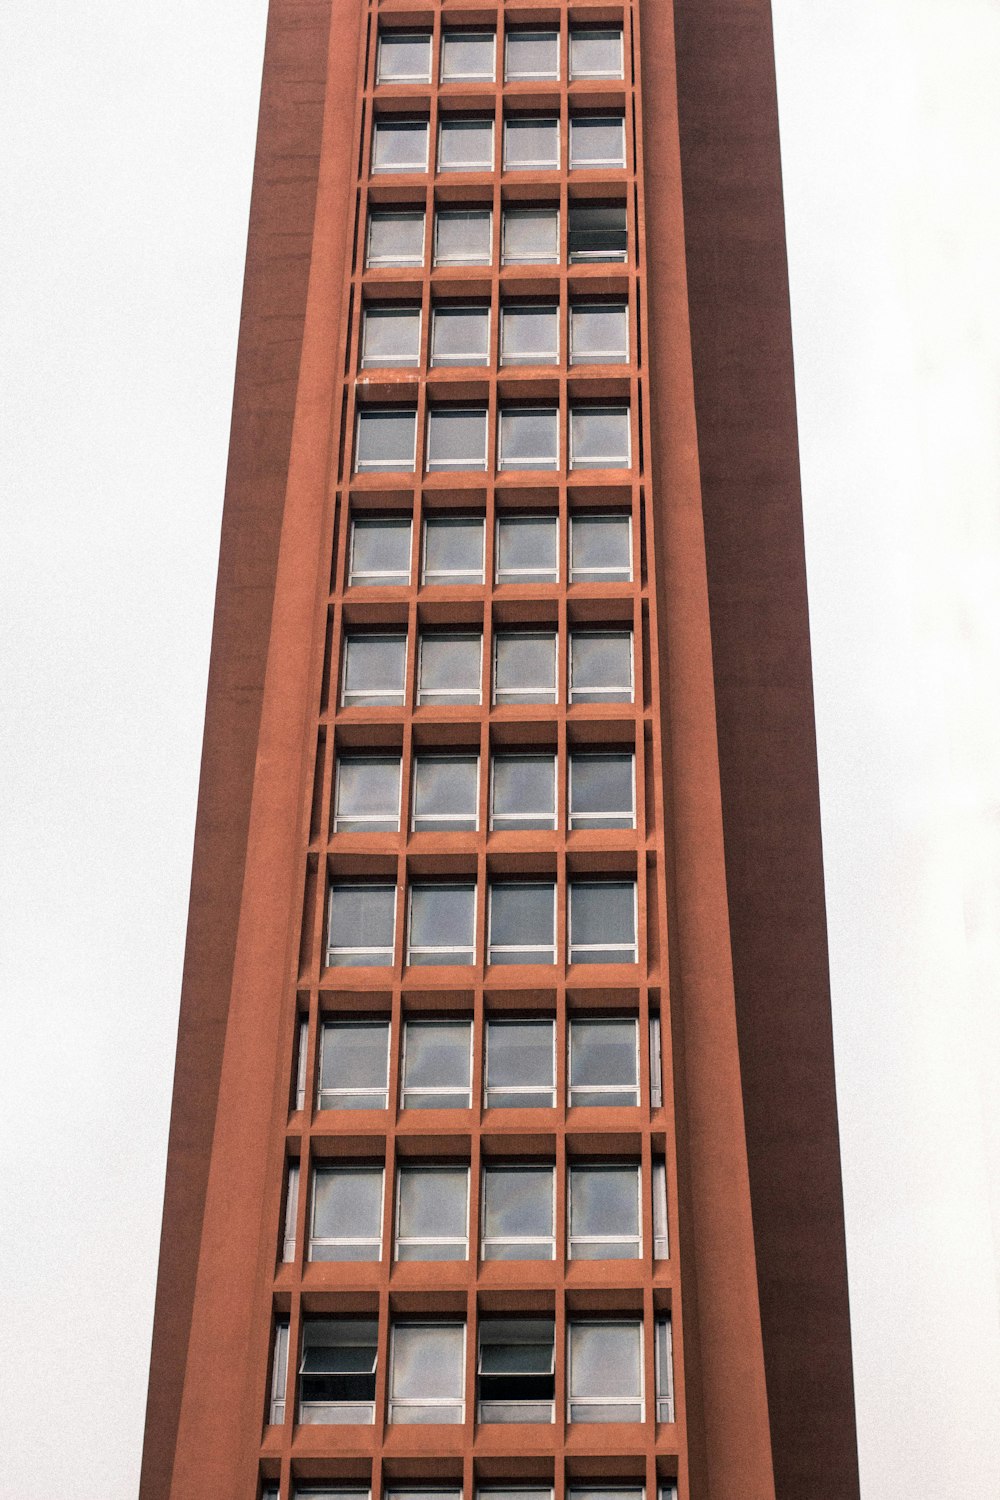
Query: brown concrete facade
x=730 y=941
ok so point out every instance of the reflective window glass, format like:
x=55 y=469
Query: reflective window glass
x=456 y=439
x=529 y=438
x=600 y=666
x=279 y=1371
x=442 y=924
x=661 y=1237
x=520 y=1064
x=530 y=144
x=386 y=439
x=602 y=922
x=532 y=54
x=599 y=437
x=367 y=794
x=437 y=1065
x=291 y=1213
x=427 y=1373
x=354 y=1065
x=664 y=1371
x=523 y=791
x=468 y=56
x=598 y=333
x=530 y=236
x=454 y=549
x=596 y=141
x=597 y=232
x=460 y=336
x=362 y=925
x=432 y=1213
x=380 y=551
x=445 y=793
x=516 y=1370
x=596 y=52
x=337 y=1372
x=390 y=337
x=395 y=237
x=374 y=670
x=529 y=335
x=527 y=549
x=450 y=669
x=522 y=923
x=519 y=1213
x=463 y=237
x=604 y=1375
x=600 y=548
x=602 y=790
x=346 y=1222
x=465 y=146
x=603 y=1063
x=524 y=666
x=604 y=1212
x=404 y=57
x=399 y=145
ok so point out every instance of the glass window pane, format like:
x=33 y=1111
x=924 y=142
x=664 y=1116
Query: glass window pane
x=380 y=551
x=523 y=792
x=604 y=1212
x=456 y=439
x=450 y=669
x=396 y=237
x=527 y=549
x=520 y=1064
x=354 y=1065
x=445 y=793
x=600 y=666
x=529 y=335
x=404 y=57
x=337 y=1373
x=600 y=549
x=386 y=440
x=529 y=438
x=603 y=1063
x=602 y=791
x=346 y=1214
x=442 y=924
x=516 y=1370
x=518 y=1213
x=524 y=667
x=465 y=146
x=399 y=146
x=522 y=923
x=664 y=1371
x=437 y=1065
x=532 y=54
x=428 y=1372
x=661 y=1238
x=598 y=232
x=467 y=55
x=362 y=923
x=599 y=437
x=598 y=333
x=374 y=670
x=432 y=1213
x=529 y=144
x=605 y=1372
x=655 y=1064
x=595 y=52
x=460 y=336
x=530 y=236
x=411 y=1493
x=391 y=337
x=367 y=798
x=512 y=1492
x=606 y=1492
x=596 y=141
x=463 y=237
x=602 y=922
x=454 y=549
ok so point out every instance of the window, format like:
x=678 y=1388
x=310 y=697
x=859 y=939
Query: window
x=362 y=926
x=279 y=1372
x=661 y=1237
x=655 y=1064
x=520 y=1065
x=437 y=1065
x=291 y=1213
x=513 y=1492
x=597 y=232
x=395 y=237
x=460 y=336
x=606 y=1492
x=598 y=333
x=468 y=57
x=529 y=437
x=390 y=336
x=524 y=666
x=380 y=551
x=602 y=922
x=450 y=669
x=530 y=144
x=602 y=790
x=532 y=54
x=374 y=671
x=386 y=440
x=346 y=1214
x=519 y=1213
x=432 y=1213
x=599 y=437
x=529 y=335
x=301 y=1062
x=605 y=1372
x=530 y=236
x=600 y=549
x=603 y=1063
x=596 y=52
x=427 y=1373
x=271 y=1492
x=423 y=1494
x=465 y=145
x=325 y=1492
x=463 y=237
x=527 y=549
x=456 y=439
x=399 y=145
x=600 y=666
x=596 y=141
x=442 y=928
x=664 y=1371
x=522 y=923
x=454 y=549
x=354 y=1065
x=516 y=1370
x=367 y=795
x=446 y=793
x=523 y=791
x=604 y=1212
x=337 y=1373
x=404 y=57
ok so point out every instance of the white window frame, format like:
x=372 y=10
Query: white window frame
x=524 y=817
x=513 y=948
x=394 y=465
x=605 y=30
x=547 y=1242
x=540 y=575
x=427 y=1091
x=466 y=166
x=575 y=948
x=288 y=1238
x=523 y=34
x=592 y=163
x=392 y=169
x=550 y=357
x=468 y=31
x=371 y=578
x=602 y=356
x=382 y=311
x=458 y=362
x=404 y=36
x=342 y=885
x=459 y=694
x=315 y=1239
x=531 y=166
x=603 y=460
x=600 y=1088
x=614 y=574
x=573 y=1240
x=430 y=1240
x=595 y=1401
x=478 y=211
x=661 y=1210
x=534 y=211
x=465 y=465
x=395 y=1403
x=596 y=818
x=533 y=695
x=606 y=687
x=366 y=817
x=546 y=1095
x=384 y=212
x=527 y=466
x=441 y=577
x=444 y=817
x=331 y=1023
x=279 y=1373
x=665 y=1409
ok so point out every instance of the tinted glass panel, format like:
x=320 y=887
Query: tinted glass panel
x=530 y=236
x=523 y=791
x=450 y=669
x=367 y=799
x=380 y=551
x=386 y=440
x=395 y=238
x=531 y=144
x=520 y=1064
x=362 y=920
x=462 y=237
x=437 y=1063
x=598 y=333
x=599 y=437
x=597 y=141
x=404 y=58
x=522 y=924
x=518 y=1213
x=468 y=55
x=604 y=1212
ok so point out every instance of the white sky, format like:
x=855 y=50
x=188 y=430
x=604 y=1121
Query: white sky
x=128 y=130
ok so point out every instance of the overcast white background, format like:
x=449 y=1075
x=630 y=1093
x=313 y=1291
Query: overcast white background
x=128 y=130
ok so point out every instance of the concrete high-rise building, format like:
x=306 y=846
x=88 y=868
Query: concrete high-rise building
x=504 y=1154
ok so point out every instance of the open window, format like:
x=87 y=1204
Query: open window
x=427 y=1373
x=354 y=1065
x=432 y=1213
x=337 y=1372
x=516 y=1370
x=346 y=1218
x=604 y=1211
x=519 y=1213
x=597 y=232
x=366 y=799
x=603 y=1062
x=604 y=1375
x=520 y=1064
x=523 y=790
x=437 y=1065
x=361 y=927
